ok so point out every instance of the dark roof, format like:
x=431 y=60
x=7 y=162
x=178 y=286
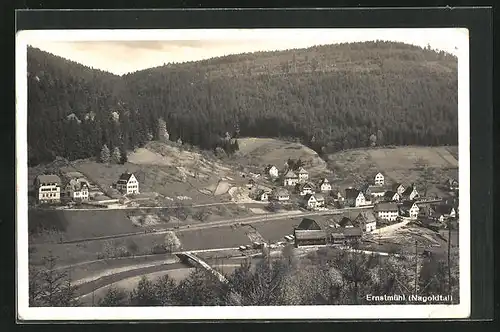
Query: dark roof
x=407 y=204
x=365 y=217
x=389 y=194
x=310 y=234
x=351 y=193
x=442 y=208
x=408 y=190
x=319 y=197
x=49 y=178
x=125 y=176
x=281 y=192
x=353 y=231
x=308 y=224
x=395 y=186
x=376 y=189
x=290 y=174
x=308 y=197
x=386 y=206
x=345 y=221
x=302 y=170
x=301 y=186
x=323 y=181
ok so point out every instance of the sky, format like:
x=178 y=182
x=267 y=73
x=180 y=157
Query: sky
x=124 y=51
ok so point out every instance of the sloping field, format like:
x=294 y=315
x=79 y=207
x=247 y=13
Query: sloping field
x=399 y=164
x=264 y=151
x=219 y=237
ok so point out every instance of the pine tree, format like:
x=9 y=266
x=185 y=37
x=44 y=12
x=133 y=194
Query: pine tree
x=163 y=135
x=117 y=155
x=105 y=154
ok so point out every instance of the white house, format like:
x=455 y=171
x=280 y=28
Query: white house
x=366 y=221
x=272 y=171
x=410 y=193
x=305 y=189
x=281 y=194
x=128 y=184
x=443 y=212
x=312 y=201
x=303 y=174
x=387 y=211
x=48 y=188
x=379 y=179
x=290 y=179
x=409 y=209
x=391 y=196
x=77 y=190
x=325 y=186
x=354 y=197
x=261 y=195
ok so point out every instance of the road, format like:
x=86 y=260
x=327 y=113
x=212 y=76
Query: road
x=228 y=222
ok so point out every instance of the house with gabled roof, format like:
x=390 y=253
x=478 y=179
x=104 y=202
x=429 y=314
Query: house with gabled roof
x=290 y=179
x=48 y=188
x=398 y=188
x=442 y=212
x=452 y=184
x=280 y=194
x=377 y=179
x=324 y=185
x=354 y=197
x=410 y=193
x=313 y=201
x=261 y=195
x=409 y=209
x=387 y=211
x=367 y=221
x=77 y=189
x=128 y=184
x=302 y=174
x=305 y=188
x=272 y=171
x=337 y=195
x=308 y=224
x=391 y=196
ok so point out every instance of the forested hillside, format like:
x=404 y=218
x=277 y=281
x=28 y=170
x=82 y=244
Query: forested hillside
x=330 y=97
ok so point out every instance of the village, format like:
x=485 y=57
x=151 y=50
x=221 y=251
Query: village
x=353 y=214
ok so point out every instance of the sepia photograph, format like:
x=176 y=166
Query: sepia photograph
x=243 y=173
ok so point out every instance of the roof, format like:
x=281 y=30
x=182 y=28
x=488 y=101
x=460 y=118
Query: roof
x=345 y=221
x=308 y=224
x=319 y=197
x=303 y=185
x=353 y=231
x=407 y=204
x=442 y=208
x=77 y=184
x=308 y=197
x=126 y=176
x=366 y=217
x=351 y=193
x=408 y=190
x=390 y=194
x=395 y=186
x=301 y=170
x=49 y=178
x=268 y=167
x=281 y=192
x=386 y=206
x=290 y=174
x=376 y=189
x=310 y=235
x=324 y=180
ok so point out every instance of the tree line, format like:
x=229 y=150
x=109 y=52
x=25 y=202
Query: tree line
x=326 y=277
x=329 y=97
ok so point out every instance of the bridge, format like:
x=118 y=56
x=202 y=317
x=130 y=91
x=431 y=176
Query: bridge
x=191 y=259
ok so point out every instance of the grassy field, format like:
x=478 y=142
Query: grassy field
x=219 y=237
x=264 y=151
x=399 y=164
x=275 y=230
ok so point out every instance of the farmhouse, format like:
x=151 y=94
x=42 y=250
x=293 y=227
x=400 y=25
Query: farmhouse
x=443 y=212
x=398 y=188
x=374 y=192
x=272 y=171
x=303 y=174
x=366 y=221
x=280 y=194
x=312 y=201
x=409 y=209
x=261 y=195
x=290 y=179
x=391 y=196
x=48 y=188
x=128 y=184
x=354 y=197
x=305 y=188
x=308 y=238
x=410 y=193
x=77 y=190
x=387 y=211
x=325 y=186
x=308 y=224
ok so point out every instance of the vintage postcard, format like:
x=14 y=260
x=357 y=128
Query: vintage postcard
x=243 y=174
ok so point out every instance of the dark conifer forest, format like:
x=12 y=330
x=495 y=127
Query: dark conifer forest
x=332 y=98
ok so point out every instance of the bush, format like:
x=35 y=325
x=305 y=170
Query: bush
x=159 y=249
x=132 y=247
